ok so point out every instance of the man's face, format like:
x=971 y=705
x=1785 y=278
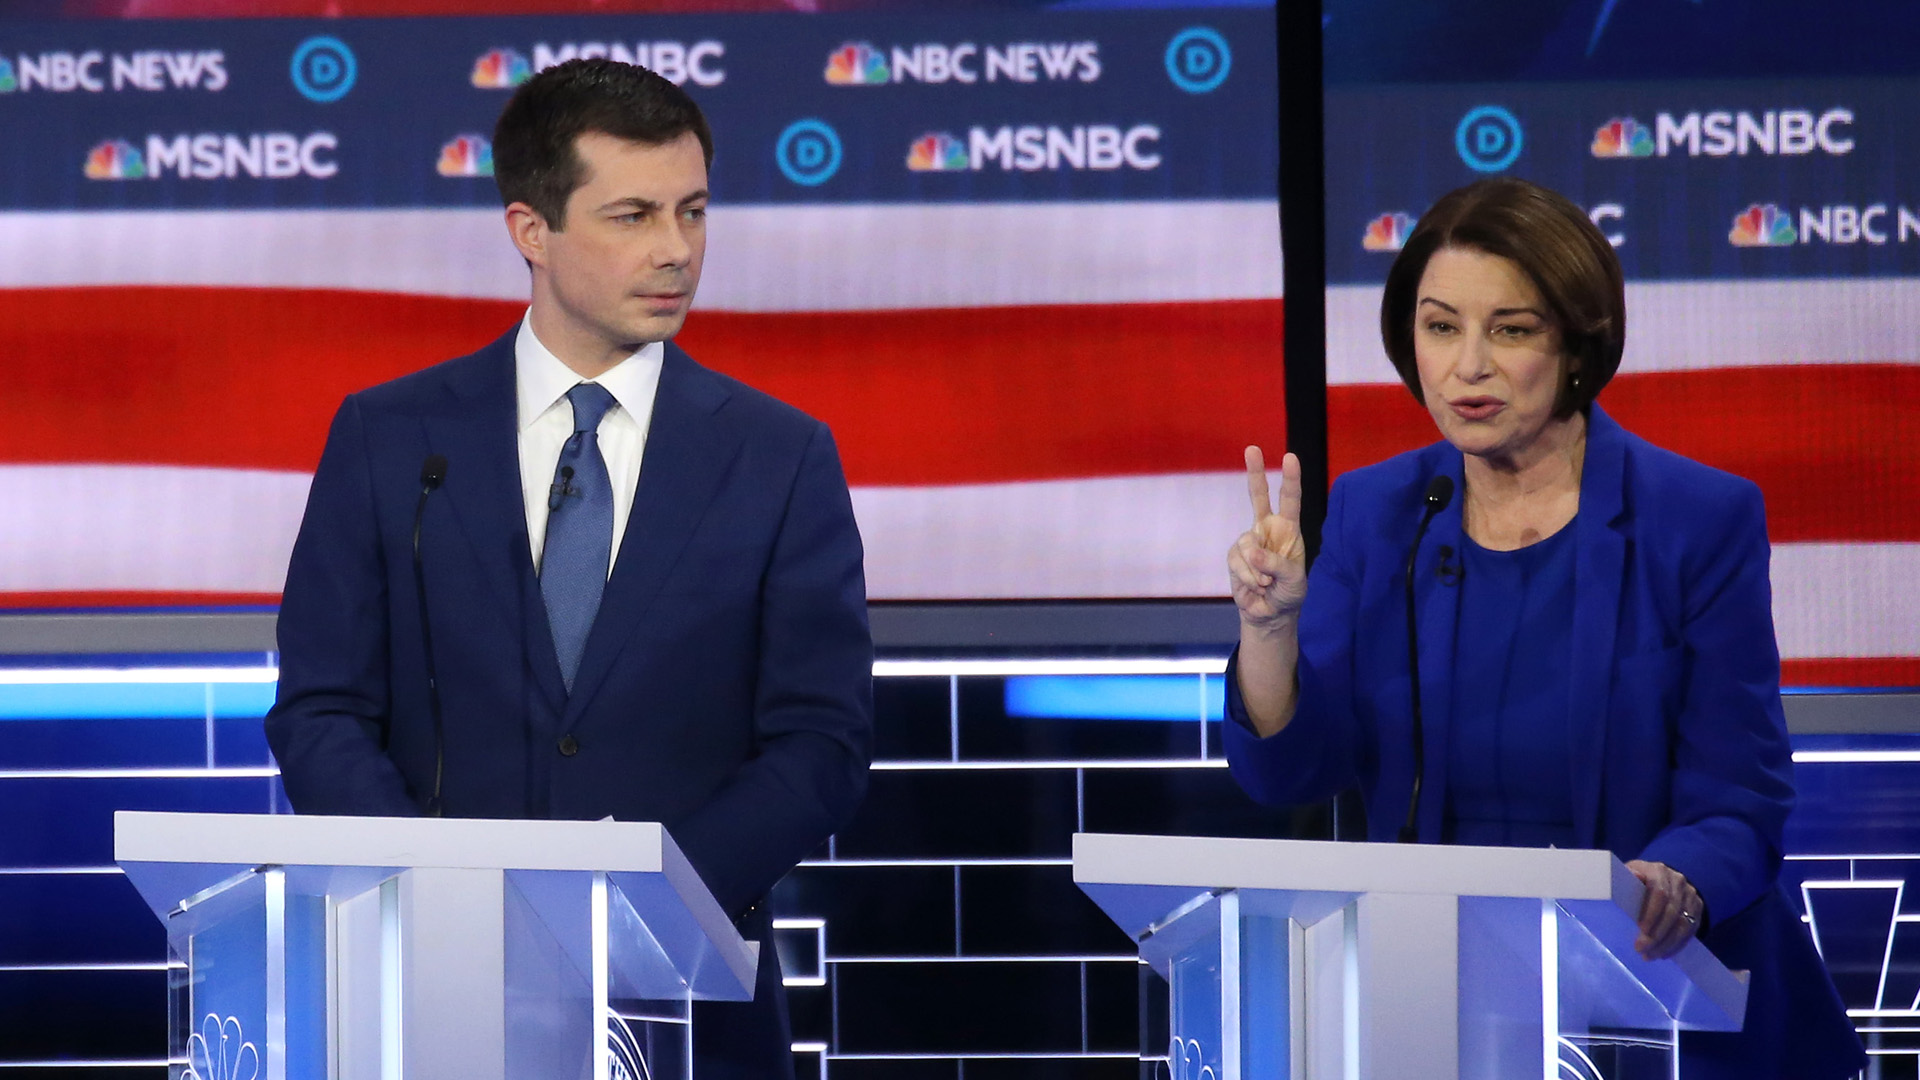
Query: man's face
x=622 y=271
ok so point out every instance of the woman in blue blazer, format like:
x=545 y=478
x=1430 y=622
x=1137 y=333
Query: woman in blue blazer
x=1594 y=625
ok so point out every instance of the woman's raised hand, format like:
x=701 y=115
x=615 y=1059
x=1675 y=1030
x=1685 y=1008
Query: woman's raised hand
x=1268 y=563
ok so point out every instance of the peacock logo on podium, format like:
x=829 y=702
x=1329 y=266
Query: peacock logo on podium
x=624 y=1048
x=220 y=1051
x=1187 y=1060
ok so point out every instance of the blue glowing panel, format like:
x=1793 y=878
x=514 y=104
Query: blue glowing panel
x=1116 y=697
x=111 y=701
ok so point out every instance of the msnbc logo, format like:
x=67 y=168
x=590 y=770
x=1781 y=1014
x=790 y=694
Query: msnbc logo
x=8 y=83
x=938 y=151
x=501 y=69
x=1622 y=137
x=1762 y=225
x=466 y=155
x=1388 y=232
x=857 y=63
x=115 y=159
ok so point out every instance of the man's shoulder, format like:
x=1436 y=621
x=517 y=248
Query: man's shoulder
x=428 y=388
x=752 y=410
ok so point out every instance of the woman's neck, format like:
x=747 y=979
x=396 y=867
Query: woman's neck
x=1521 y=499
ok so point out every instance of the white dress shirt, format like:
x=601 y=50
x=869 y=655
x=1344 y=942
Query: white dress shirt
x=546 y=423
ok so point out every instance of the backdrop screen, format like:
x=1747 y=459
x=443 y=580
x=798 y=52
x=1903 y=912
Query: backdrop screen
x=1757 y=188
x=1025 y=263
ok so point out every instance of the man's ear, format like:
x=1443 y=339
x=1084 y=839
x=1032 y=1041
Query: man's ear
x=529 y=232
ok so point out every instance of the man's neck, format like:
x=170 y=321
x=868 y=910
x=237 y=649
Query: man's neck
x=585 y=354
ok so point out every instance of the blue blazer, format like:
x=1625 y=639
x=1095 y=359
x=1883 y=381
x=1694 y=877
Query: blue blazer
x=726 y=686
x=1677 y=748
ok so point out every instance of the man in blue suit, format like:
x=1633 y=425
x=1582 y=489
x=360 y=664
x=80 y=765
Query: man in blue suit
x=641 y=580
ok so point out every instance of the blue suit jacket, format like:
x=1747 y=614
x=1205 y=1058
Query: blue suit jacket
x=726 y=686
x=1677 y=744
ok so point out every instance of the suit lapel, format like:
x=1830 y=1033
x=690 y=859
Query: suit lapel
x=687 y=455
x=479 y=435
x=1599 y=572
x=1438 y=615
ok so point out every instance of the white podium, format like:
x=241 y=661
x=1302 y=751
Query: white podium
x=336 y=948
x=1315 y=960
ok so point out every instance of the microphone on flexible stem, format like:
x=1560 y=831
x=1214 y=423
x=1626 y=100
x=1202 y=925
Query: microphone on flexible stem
x=1439 y=494
x=432 y=472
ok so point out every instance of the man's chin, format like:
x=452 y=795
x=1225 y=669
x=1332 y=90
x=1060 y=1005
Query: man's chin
x=654 y=328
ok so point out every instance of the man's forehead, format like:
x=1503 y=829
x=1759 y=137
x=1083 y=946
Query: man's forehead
x=656 y=172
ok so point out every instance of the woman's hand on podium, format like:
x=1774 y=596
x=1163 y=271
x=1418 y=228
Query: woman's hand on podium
x=1268 y=563
x=1670 y=912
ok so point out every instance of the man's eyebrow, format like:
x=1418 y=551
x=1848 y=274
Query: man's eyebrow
x=699 y=196
x=632 y=202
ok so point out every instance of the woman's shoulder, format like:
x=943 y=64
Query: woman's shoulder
x=1662 y=483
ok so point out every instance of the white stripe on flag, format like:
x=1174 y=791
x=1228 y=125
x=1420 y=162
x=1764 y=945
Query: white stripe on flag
x=1846 y=599
x=148 y=528
x=759 y=258
x=74 y=528
x=1695 y=325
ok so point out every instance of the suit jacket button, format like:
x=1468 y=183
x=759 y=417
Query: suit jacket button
x=569 y=746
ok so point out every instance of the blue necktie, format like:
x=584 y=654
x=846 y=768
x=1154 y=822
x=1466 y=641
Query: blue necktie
x=579 y=547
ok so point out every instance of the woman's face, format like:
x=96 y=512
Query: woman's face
x=1488 y=354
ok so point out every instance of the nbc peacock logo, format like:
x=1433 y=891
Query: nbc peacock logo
x=857 y=63
x=115 y=159
x=1762 y=225
x=1622 y=137
x=8 y=83
x=501 y=69
x=1388 y=232
x=466 y=155
x=937 y=151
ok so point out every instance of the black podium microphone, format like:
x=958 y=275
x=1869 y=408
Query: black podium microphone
x=1439 y=494
x=432 y=472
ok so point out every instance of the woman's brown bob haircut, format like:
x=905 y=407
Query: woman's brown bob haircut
x=1554 y=244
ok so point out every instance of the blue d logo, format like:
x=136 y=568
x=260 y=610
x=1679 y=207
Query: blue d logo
x=808 y=152
x=1488 y=139
x=323 y=69
x=1198 y=59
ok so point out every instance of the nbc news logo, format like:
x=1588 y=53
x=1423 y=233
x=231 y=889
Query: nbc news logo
x=857 y=63
x=1762 y=225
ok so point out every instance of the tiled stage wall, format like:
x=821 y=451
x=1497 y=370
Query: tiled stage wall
x=940 y=935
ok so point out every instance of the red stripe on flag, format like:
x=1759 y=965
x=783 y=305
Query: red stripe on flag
x=1888 y=672
x=132 y=600
x=248 y=378
x=1835 y=448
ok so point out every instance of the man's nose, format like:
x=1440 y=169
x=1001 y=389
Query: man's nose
x=671 y=246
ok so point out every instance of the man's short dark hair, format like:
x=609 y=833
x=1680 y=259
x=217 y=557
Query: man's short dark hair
x=534 y=159
x=1554 y=243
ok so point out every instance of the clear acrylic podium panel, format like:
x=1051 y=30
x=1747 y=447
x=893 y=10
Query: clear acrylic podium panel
x=414 y=949
x=1317 y=960
x=254 y=990
x=1259 y=987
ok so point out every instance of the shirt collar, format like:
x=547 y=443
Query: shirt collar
x=541 y=379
